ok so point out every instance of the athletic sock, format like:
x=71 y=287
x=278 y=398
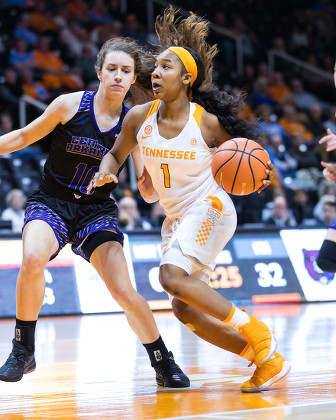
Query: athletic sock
x=156 y=351
x=247 y=353
x=25 y=334
x=236 y=318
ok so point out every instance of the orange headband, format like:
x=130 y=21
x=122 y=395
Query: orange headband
x=188 y=61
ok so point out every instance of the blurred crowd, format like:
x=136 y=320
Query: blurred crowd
x=49 y=47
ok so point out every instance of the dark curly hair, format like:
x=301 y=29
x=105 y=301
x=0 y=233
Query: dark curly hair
x=191 y=33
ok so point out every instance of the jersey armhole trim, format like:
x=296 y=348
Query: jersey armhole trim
x=198 y=114
x=153 y=108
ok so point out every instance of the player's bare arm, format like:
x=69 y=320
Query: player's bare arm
x=146 y=187
x=212 y=130
x=59 y=111
x=124 y=145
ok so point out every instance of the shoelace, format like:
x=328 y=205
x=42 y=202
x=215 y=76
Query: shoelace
x=169 y=366
x=16 y=357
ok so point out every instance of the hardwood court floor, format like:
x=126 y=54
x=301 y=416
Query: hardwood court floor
x=93 y=367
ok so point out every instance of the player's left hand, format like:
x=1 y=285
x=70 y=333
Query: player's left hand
x=99 y=179
x=146 y=187
x=270 y=173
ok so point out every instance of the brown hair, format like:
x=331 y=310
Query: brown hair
x=191 y=33
x=143 y=65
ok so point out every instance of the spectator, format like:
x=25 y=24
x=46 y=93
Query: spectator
x=10 y=92
x=279 y=91
x=247 y=80
x=80 y=10
x=6 y=123
x=267 y=211
x=86 y=61
x=42 y=20
x=115 y=9
x=281 y=215
x=302 y=99
x=32 y=87
x=315 y=123
x=269 y=123
x=15 y=201
x=299 y=41
x=261 y=95
x=133 y=29
x=328 y=213
x=108 y=30
x=23 y=30
x=52 y=68
x=330 y=122
x=318 y=210
x=284 y=163
x=306 y=154
x=239 y=29
x=292 y=125
x=99 y=12
x=129 y=215
x=263 y=72
x=301 y=206
x=20 y=58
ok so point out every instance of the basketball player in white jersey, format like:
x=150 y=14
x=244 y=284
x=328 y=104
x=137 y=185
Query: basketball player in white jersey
x=178 y=134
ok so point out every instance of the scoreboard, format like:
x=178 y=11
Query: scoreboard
x=257 y=266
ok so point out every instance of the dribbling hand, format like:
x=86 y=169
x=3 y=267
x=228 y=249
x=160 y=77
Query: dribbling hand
x=99 y=179
x=270 y=174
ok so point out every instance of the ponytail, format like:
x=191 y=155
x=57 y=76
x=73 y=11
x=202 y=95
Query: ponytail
x=226 y=107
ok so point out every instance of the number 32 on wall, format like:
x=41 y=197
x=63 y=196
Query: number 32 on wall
x=270 y=275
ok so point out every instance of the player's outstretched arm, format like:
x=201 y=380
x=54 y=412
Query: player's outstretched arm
x=59 y=111
x=330 y=139
x=124 y=145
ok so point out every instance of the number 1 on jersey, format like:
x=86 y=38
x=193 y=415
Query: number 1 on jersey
x=166 y=175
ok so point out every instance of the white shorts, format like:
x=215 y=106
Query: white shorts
x=193 y=241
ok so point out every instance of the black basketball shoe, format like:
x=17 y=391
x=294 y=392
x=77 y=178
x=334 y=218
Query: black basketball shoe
x=169 y=374
x=20 y=361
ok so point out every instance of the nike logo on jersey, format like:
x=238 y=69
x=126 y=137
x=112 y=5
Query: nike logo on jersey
x=145 y=137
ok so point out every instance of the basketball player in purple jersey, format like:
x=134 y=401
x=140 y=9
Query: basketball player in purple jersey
x=83 y=126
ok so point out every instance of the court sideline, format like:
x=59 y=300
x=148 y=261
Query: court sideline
x=93 y=367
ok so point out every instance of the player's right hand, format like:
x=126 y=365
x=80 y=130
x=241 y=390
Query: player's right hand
x=99 y=179
x=270 y=174
x=330 y=139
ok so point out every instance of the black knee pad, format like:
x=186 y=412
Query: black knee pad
x=326 y=258
x=95 y=239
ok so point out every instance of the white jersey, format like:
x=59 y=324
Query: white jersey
x=180 y=167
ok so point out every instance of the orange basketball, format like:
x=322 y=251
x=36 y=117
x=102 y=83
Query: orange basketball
x=239 y=166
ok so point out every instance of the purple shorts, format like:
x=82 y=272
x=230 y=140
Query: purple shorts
x=72 y=223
